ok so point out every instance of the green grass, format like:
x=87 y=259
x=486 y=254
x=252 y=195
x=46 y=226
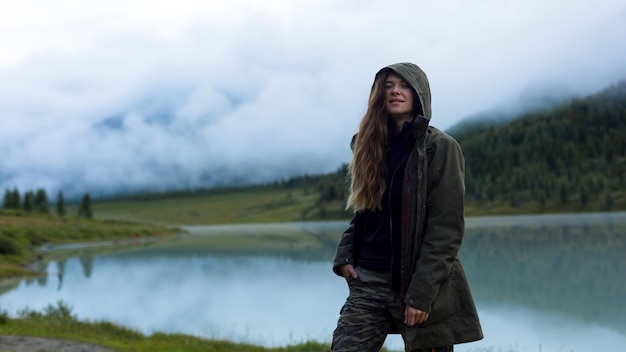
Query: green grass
x=263 y=205
x=23 y=234
x=58 y=322
x=271 y=205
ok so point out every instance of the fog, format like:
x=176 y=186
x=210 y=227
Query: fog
x=145 y=96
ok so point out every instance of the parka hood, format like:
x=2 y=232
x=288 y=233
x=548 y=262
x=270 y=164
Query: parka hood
x=414 y=76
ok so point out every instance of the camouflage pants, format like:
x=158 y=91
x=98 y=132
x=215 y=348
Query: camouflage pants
x=373 y=309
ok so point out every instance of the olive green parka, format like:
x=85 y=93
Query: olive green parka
x=432 y=227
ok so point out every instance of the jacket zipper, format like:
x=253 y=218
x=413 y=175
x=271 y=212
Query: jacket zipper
x=421 y=192
x=421 y=184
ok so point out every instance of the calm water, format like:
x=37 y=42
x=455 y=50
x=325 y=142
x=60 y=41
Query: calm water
x=541 y=283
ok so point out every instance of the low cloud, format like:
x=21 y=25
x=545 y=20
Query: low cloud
x=271 y=92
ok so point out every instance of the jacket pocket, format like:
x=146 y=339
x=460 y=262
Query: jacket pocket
x=445 y=302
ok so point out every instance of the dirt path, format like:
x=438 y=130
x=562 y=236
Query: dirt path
x=10 y=343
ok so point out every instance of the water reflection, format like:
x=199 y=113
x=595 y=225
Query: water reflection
x=542 y=283
x=567 y=265
x=266 y=300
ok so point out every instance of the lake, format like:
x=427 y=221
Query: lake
x=541 y=283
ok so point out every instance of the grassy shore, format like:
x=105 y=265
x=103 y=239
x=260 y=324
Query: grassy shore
x=158 y=215
x=24 y=236
x=58 y=322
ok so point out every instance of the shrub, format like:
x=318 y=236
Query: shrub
x=8 y=246
x=4 y=317
x=60 y=311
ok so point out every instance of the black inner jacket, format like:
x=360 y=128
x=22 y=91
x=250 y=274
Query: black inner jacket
x=379 y=242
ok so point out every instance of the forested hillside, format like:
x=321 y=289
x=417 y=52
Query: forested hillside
x=571 y=158
x=565 y=159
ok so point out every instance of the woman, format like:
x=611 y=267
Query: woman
x=399 y=254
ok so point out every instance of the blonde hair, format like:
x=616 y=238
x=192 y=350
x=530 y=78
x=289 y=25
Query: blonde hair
x=367 y=169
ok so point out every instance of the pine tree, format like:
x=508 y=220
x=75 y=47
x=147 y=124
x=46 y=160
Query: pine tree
x=29 y=199
x=8 y=200
x=84 y=210
x=16 y=204
x=563 y=193
x=60 y=207
x=11 y=199
x=584 y=196
x=41 y=201
x=608 y=201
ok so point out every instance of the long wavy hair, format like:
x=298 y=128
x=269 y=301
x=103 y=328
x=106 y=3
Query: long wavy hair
x=367 y=171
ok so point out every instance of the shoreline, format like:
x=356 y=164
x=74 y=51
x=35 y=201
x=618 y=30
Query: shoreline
x=192 y=229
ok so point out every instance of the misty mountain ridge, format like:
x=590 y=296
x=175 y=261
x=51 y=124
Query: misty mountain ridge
x=163 y=176
x=532 y=102
x=571 y=158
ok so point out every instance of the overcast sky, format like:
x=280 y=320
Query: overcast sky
x=105 y=96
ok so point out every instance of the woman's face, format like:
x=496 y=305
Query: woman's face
x=398 y=96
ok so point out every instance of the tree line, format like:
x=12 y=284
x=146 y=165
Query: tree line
x=571 y=157
x=37 y=202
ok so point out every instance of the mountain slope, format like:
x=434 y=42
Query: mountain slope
x=571 y=158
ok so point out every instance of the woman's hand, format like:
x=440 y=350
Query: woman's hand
x=414 y=316
x=347 y=270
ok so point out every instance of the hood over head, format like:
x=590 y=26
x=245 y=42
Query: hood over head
x=414 y=76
